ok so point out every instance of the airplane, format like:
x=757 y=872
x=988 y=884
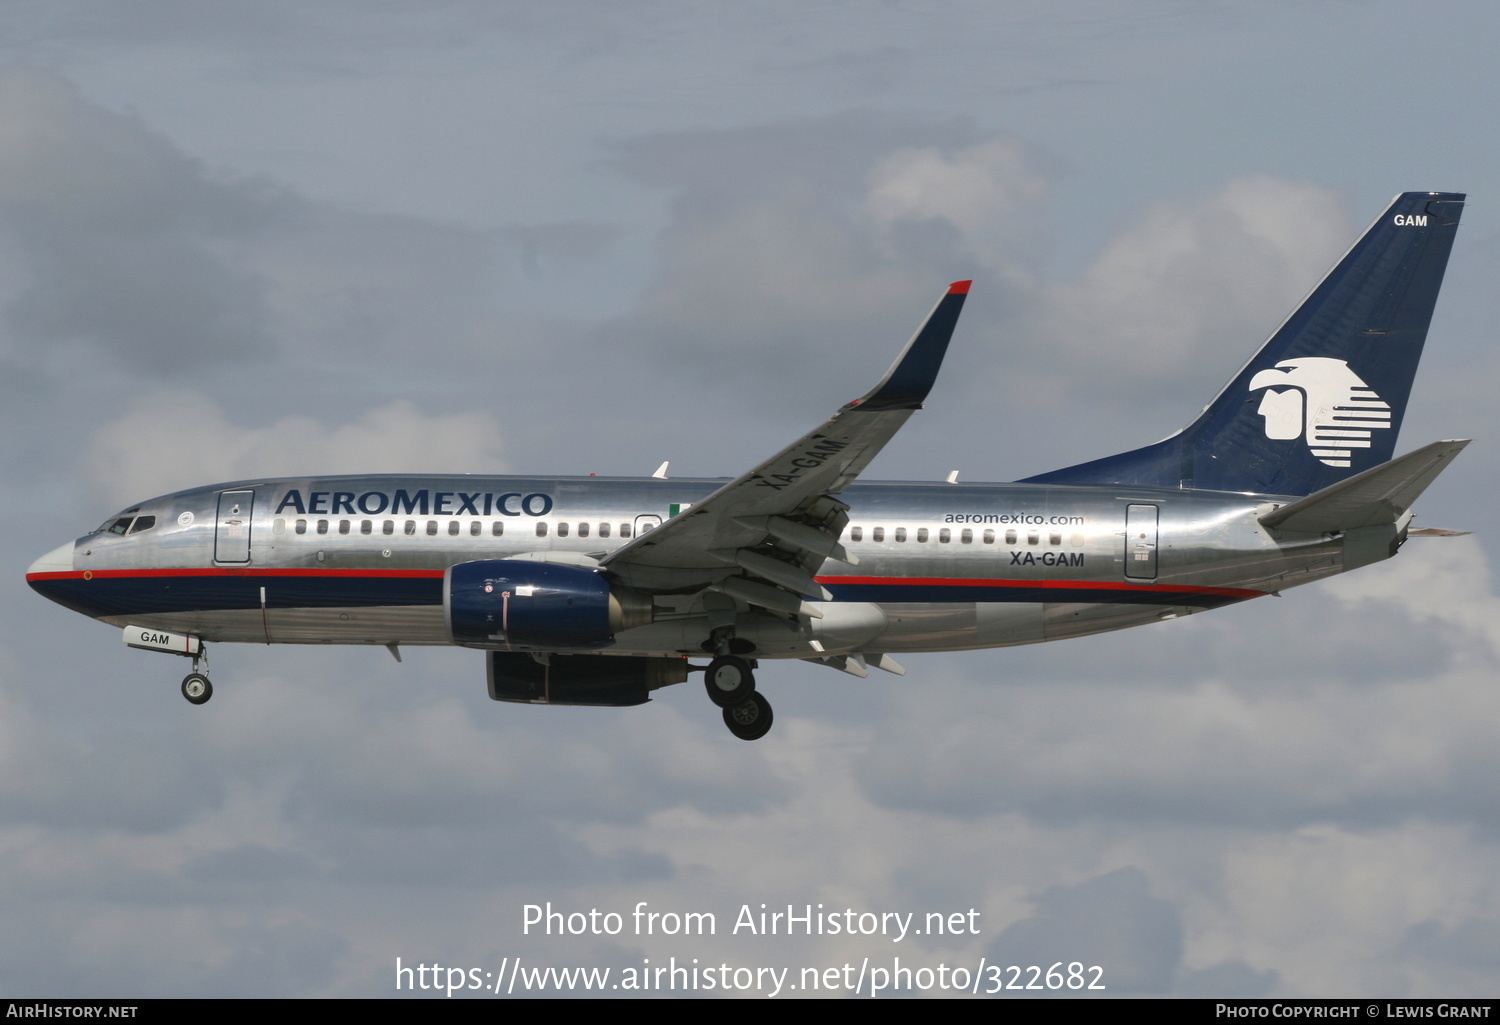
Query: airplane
x=599 y=591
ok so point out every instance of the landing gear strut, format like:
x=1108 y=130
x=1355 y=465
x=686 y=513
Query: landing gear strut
x=195 y=685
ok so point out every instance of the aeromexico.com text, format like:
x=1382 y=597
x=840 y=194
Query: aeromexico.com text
x=1015 y=519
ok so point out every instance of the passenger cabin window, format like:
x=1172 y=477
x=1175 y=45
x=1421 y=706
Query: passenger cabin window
x=1010 y=537
x=989 y=537
x=388 y=527
x=604 y=530
x=1033 y=537
x=322 y=526
x=498 y=528
x=856 y=533
x=475 y=527
x=624 y=530
x=541 y=528
x=452 y=528
x=921 y=535
x=411 y=527
x=900 y=533
x=1055 y=537
x=583 y=530
x=967 y=537
x=301 y=526
x=278 y=526
x=366 y=526
x=432 y=528
x=562 y=530
x=944 y=536
x=343 y=526
x=878 y=534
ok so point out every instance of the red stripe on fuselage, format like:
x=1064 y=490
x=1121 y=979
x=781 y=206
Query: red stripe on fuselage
x=119 y=574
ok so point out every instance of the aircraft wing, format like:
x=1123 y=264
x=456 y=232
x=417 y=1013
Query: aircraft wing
x=760 y=537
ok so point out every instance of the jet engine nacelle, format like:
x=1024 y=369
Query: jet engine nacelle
x=509 y=603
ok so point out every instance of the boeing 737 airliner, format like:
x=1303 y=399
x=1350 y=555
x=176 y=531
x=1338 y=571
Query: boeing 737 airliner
x=597 y=591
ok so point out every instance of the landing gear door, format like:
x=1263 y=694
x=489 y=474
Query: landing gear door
x=232 y=531
x=1140 y=542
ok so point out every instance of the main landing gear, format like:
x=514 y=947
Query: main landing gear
x=730 y=682
x=195 y=685
x=750 y=719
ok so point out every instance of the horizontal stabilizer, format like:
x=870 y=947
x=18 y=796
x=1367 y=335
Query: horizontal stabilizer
x=1379 y=495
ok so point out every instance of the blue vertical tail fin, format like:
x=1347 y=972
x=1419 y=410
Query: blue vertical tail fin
x=1324 y=398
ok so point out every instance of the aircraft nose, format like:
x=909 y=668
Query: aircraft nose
x=59 y=560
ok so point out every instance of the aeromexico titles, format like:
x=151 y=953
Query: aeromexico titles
x=599 y=590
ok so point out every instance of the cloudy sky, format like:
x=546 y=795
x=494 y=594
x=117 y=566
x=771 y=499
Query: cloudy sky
x=292 y=237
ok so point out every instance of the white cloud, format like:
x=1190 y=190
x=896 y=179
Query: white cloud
x=970 y=189
x=1190 y=277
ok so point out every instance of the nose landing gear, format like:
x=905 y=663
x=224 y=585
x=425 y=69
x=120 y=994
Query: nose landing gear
x=195 y=685
x=196 y=688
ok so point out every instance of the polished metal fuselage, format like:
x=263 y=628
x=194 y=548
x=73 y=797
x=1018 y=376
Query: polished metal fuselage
x=360 y=560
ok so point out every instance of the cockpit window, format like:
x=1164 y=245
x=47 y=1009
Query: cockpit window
x=119 y=524
x=142 y=523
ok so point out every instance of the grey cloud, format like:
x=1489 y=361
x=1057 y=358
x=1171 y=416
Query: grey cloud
x=1228 y=979
x=1319 y=639
x=82 y=950
x=562 y=244
x=115 y=246
x=504 y=848
x=774 y=274
x=120 y=237
x=252 y=863
x=1472 y=944
x=1111 y=921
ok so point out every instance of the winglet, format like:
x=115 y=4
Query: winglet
x=911 y=377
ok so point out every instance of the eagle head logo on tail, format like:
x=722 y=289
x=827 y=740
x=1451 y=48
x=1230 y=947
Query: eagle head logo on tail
x=1323 y=401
